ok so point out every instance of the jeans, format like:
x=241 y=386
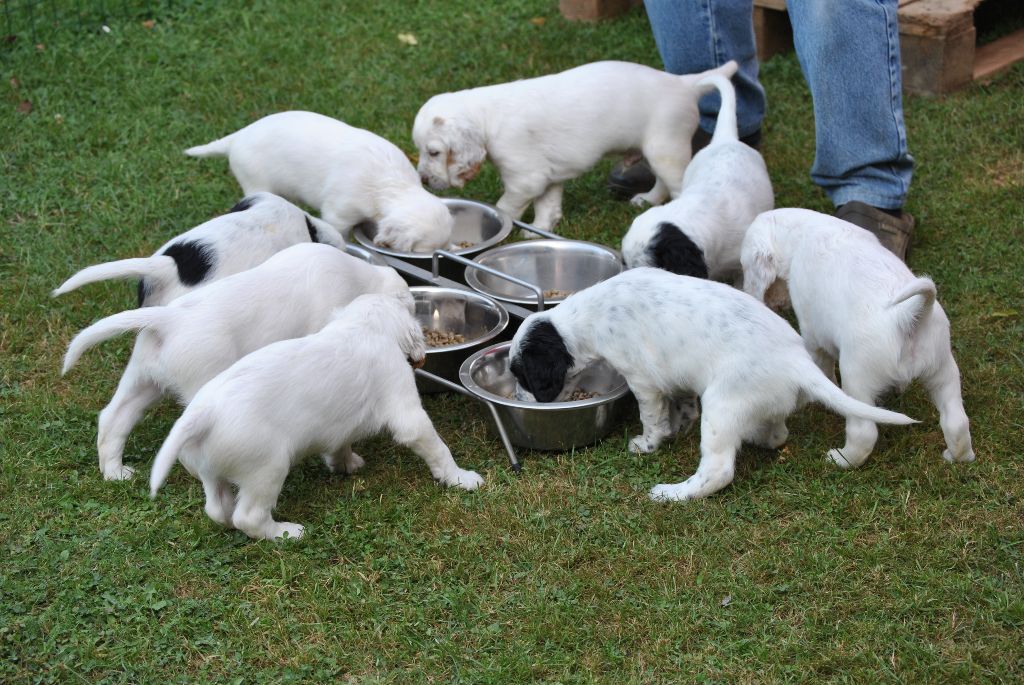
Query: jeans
x=849 y=53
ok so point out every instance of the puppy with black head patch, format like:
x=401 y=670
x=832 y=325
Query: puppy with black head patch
x=724 y=188
x=182 y=345
x=667 y=335
x=256 y=228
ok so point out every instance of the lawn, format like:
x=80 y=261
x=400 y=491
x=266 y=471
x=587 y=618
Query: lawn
x=906 y=570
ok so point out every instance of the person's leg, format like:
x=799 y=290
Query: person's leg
x=850 y=55
x=696 y=35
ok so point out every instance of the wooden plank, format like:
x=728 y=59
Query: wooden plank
x=933 y=65
x=773 y=32
x=593 y=10
x=998 y=55
x=937 y=17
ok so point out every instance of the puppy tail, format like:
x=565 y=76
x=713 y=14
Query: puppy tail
x=191 y=424
x=725 y=127
x=825 y=391
x=107 y=328
x=913 y=304
x=218 y=148
x=158 y=267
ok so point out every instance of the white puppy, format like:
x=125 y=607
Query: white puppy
x=542 y=132
x=248 y=426
x=669 y=334
x=259 y=226
x=860 y=304
x=349 y=175
x=700 y=232
x=183 y=345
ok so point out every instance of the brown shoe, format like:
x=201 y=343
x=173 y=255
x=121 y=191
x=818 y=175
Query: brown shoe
x=892 y=231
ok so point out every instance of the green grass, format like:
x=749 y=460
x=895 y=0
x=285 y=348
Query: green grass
x=906 y=570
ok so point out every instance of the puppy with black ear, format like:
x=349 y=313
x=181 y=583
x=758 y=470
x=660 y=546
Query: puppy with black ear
x=347 y=174
x=182 y=345
x=259 y=226
x=668 y=334
x=700 y=232
x=248 y=426
x=858 y=303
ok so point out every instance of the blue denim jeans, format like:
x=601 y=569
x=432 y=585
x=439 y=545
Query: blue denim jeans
x=850 y=55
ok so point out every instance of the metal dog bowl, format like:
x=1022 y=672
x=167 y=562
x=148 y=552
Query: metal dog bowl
x=477 y=318
x=552 y=265
x=547 y=425
x=475 y=222
x=364 y=254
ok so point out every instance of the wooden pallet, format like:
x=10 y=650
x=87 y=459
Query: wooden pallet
x=936 y=43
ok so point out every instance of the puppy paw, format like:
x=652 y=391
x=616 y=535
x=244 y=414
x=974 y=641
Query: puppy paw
x=528 y=235
x=842 y=460
x=641 y=445
x=467 y=480
x=118 y=473
x=968 y=456
x=668 y=492
x=354 y=463
x=293 y=531
x=639 y=200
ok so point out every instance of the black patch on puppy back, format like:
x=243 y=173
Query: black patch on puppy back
x=312 y=230
x=193 y=260
x=143 y=291
x=672 y=250
x=543 y=362
x=243 y=204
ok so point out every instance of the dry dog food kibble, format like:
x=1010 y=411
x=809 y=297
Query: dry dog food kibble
x=464 y=244
x=581 y=394
x=556 y=294
x=442 y=338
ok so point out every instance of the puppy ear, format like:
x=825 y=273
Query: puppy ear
x=672 y=250
x=760 y=267
x=466 y=150
x=543 y=362
x=413 y=343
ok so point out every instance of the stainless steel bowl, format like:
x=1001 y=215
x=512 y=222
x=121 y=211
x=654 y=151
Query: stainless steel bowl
x=366 y=255
x=475 y=222
x=552 y=265
x=547 y=425
x=478 y=318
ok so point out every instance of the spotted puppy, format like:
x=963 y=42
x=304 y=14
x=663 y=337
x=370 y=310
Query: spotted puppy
x=700 y=232
x=248 y=426
x=259 y=226
x=347 y=174
x=542 y=132
x=184 y=344
x=860 y=304
x=669 y=334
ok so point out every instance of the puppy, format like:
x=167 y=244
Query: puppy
x=858 y=303
x=183 y=345
x=542 y=132
x=668 y=334
x=724 y=188
x=252 y=422
x=259 y=226
x=349 y=175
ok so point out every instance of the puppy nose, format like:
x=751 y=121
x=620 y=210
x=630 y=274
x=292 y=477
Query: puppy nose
x=418 y=363
x=424 y=179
